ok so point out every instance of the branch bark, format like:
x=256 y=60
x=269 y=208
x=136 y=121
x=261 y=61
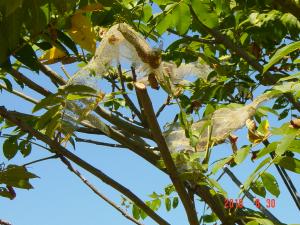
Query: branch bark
x=55 y=146
x=98 y=193
x=165 y=153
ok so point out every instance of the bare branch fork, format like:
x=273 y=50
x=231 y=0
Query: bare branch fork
x=74 y=158
x=98 y=193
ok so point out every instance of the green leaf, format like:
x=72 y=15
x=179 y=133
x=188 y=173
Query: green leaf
x=258 y=188
x=241 y=154
x=203 y=12
x=210 y=218
x=25 y=148
x=175 y=202
x=27 y=56
x=78 y=96
x=270 y=183
x=5 y=193
x=182 y=18
x=65 y=39
x=16 y=176
x=270 y=148
x=253 y=174
x=218 y=165
x=284 y=143
x=252 y=223
x=280 y=53
x=135 y=212
x=10 y=148
x=147 y=13
x=263 y=221
x=289 y=163
x=78 y=89
x=165 y=22
x=294 y=146
x=169 y=189
x=47 y=117
x=48 y=101
x=215 y=184
x=51 y=127
x=168 y=204
x=156 y=203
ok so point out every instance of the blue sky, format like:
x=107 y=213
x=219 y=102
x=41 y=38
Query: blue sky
x=59 y=197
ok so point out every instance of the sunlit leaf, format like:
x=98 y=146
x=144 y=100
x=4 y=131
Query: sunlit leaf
x=280 y=53
x=270 y=183
x=82 y=32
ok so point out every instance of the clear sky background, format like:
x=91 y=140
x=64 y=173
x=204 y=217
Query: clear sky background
x=60 y=198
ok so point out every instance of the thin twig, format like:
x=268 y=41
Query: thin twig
x=54 y=77
x=65 y=72
x=126 y=118
x=20 y=94
x=165 y=153
x=22 y=78
x=59 y=149
x=93 y=188
x=99 y=143
x=127 y=99
x=195 y=39
x=159 y=111
x=40 y=160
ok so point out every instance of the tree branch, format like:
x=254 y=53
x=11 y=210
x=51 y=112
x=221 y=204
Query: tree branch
x=54 y=77
x=40 y=160
x=93 y=188
x=55 y=146
x=165 y=153
x=107 y=130
x=20 y=94
x=22 y=78
x=189 y=38
x=99 y=143
x=125 y=96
